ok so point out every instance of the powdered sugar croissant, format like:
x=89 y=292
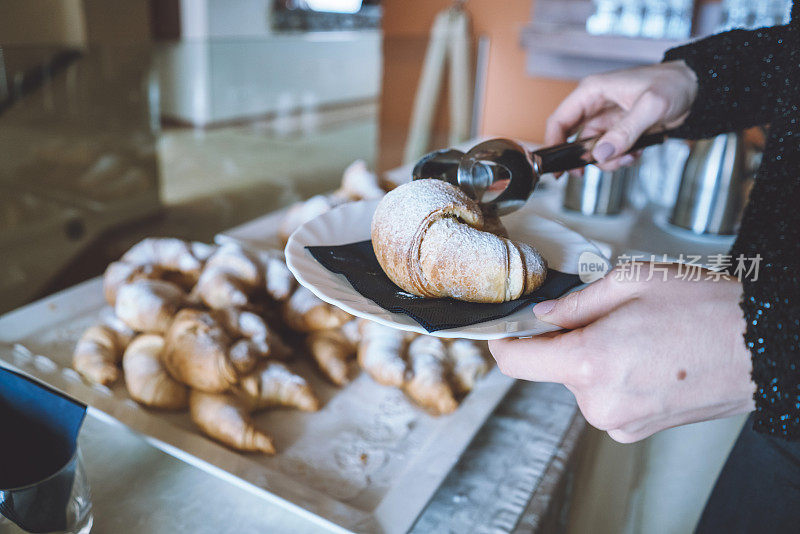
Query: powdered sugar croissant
x=381 y=351
x=273 y=384
x=305 y=312
x=431 y=240
x=196 y=352
x=228 y=278
x=331 y=350
x=468 y=363
x=98 y=352
x=148 y=305
x=146 y=378
x=226 y=418
x=183 y=259
x=233 y=275
x=428 y=385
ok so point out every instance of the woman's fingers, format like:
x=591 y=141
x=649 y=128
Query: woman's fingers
x=647 y=111
x=600 y=124
x=585 y=101
x=583 y=307
x=539 y=359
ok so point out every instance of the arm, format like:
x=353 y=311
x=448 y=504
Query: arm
x=740 y=75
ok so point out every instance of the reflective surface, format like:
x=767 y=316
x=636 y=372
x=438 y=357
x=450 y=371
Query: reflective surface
x=100 y=148
x=713 y=187
x=595 y=191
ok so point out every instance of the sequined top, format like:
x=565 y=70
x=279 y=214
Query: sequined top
x=749 y=78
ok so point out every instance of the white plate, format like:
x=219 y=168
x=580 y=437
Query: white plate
x=350 y=223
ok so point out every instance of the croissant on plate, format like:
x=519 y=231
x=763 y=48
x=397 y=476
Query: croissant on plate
x=431 y=240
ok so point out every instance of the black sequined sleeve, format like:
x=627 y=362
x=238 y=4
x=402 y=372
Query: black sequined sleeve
x=739 y=76
x=749 y=78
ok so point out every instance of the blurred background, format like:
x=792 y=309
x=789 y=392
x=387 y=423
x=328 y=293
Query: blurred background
x=121 y=119
x=124 y=118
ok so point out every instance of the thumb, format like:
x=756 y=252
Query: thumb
x=585 y=306
x=648 y=110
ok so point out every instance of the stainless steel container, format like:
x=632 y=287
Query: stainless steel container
x=713 y=187
x=596 y=192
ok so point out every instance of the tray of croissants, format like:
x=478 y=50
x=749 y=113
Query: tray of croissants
x=215 y=354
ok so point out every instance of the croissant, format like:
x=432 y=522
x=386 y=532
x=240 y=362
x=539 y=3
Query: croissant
x=229 y=278
x=302 y=212
x=429 y=238
x=279 y=280
x=351 y=330
x=244 y=355
x=257 y=342
x=146 y=378
x=305 y=312
x=428 y=384
x=273 y=384
x=119 y=273
x=149 y=305
x=468 y=364
x=331 y=350
x=225 y=418
x=358 y=183
x=170 y=254
x=380 y=353
x=196 y=352
x=97 y=354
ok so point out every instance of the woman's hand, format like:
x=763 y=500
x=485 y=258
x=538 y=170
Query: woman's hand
x=622 y=105
x=642 y=356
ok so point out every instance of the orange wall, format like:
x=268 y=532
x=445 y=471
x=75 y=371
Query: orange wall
x=516 y=105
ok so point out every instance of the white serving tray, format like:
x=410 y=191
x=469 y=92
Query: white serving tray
x=368 y=461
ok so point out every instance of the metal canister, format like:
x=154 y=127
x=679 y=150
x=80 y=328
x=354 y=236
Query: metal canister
x=595 y=191
x=714 y=187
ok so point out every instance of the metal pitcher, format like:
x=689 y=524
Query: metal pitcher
x=714 y=186
x=597 y=192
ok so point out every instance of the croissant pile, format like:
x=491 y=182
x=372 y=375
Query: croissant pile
x=213 y=329
x=189 y=332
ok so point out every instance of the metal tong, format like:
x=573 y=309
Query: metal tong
x=501 y=174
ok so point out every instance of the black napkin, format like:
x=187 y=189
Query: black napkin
x=39 y=438
x=357 y=262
